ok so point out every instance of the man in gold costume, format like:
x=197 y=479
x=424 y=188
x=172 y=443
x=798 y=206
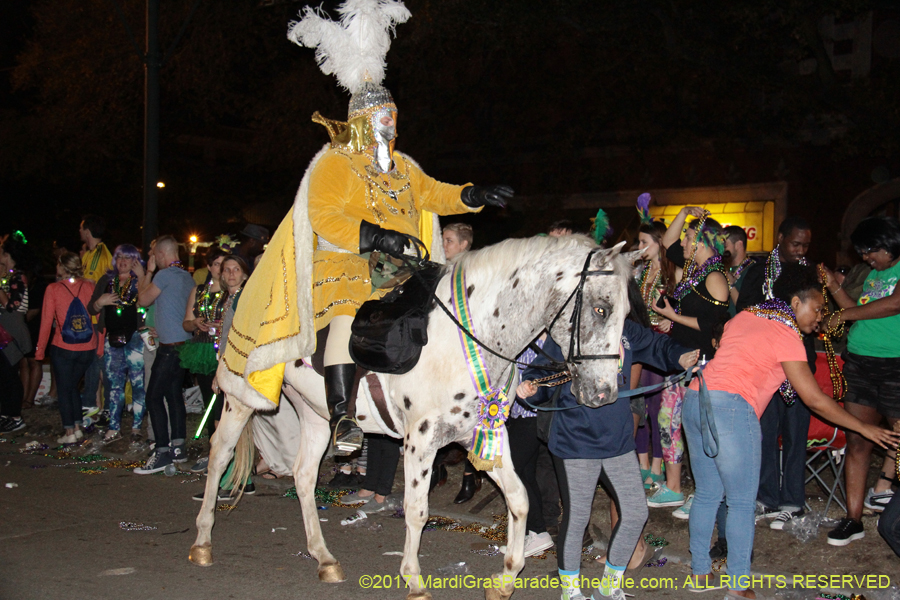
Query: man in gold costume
x=363 y=197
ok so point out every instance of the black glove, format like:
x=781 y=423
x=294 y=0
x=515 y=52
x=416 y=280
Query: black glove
x=372 y=237
x=491 y=195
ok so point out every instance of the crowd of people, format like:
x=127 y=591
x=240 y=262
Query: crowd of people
x=117 y=331
x=121 y=331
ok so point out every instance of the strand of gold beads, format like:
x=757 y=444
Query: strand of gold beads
x=831 y=332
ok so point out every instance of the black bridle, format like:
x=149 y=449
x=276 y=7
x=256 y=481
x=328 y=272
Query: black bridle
x=575 y=356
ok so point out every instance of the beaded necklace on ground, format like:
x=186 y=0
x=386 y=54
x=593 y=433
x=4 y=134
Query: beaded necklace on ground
x=773 y=270
x=126 y=294
x=778 y=310
x=694 y=277
x=738 y=270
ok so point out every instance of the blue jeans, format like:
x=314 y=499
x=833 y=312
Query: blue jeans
x=91 y=383
x=69 y=366
x=732 y=474
x=164 y=390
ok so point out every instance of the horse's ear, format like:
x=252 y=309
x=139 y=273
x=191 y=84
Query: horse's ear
x=634 y=257
x=617 y=248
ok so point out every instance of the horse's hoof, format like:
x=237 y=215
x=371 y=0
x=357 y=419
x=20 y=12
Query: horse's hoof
x=332 y=573
x=495 y=594
x=201 y=555
x=425 y=595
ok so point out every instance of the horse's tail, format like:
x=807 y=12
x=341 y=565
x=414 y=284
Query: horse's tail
x=244 y=453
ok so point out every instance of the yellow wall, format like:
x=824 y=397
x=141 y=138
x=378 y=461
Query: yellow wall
x=757 y=219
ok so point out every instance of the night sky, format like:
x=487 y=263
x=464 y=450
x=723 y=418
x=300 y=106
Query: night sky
x=554 y=98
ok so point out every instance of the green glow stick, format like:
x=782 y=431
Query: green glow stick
x=205 y=416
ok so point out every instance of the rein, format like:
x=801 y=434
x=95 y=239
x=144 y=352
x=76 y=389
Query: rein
x=669 y=381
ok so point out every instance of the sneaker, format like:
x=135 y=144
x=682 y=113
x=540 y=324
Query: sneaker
x=665 y=497
x=684 y=511
x=11 y=424
x=45 y=400
x=89 y=411
x=79 y=433
x=200 y=466
x=764 y=512
x=178 y=454
x=535 y=543
x=157 y=462
x=719 y=549
x=67 y=439
x=783 y=517
x=355 y=498
x=878 y=500
x=617 y=594
x=710 y=583
x=228 y=495
x=573 y=595
x=846 y=531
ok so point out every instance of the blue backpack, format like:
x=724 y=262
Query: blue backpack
x=77 y=328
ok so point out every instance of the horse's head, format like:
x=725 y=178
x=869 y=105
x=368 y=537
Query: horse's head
x=589 y=328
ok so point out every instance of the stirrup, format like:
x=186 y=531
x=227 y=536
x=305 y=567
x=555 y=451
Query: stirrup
x=350 y=441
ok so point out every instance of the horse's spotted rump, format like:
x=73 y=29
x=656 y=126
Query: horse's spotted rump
x=424 y=426
x=406 y=402
x=459 y=396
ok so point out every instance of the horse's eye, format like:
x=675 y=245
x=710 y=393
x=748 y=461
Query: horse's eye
x=600 y=311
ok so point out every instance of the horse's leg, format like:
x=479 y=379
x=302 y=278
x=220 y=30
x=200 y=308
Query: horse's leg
x=234 y=419
x=314 y=438
x=517 y=502
x=418 y=454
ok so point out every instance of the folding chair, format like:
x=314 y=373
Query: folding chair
x=826 y=440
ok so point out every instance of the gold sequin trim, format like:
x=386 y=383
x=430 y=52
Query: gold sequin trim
x=241 y=335
x=236 y=349
x=230 y=370
x=337 y=279
x=325 y=310
x=287 y=304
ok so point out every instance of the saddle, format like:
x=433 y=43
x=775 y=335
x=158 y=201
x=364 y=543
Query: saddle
x=387 y=335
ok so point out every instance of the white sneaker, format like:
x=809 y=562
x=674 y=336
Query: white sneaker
x=67 y=439
x=684 y=511
x=573 y=595
x=355 y=498
x=535 y=543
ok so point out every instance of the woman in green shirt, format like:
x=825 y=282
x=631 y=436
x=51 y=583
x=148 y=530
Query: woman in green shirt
x=872 y=359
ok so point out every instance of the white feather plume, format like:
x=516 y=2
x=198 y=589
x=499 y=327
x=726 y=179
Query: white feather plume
x=355 y=46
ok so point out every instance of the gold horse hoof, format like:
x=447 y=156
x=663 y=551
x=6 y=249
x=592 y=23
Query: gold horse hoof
x=332 y=573
x=497 y=593
x=419 y=596
x=201 y=555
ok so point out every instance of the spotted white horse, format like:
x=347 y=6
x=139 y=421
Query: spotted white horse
x=516 y=289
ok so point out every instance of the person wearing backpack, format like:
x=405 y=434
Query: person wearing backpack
x=74 y=341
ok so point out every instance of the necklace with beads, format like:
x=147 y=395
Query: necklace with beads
x=838 y=381
x=690 y=280
x=780 y=311
x=177 y=264
x=738 y=270
x=126 y=293
x=773 y=270
x=209 y=303
x=648 y=286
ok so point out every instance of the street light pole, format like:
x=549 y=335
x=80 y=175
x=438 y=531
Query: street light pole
x=152 y=62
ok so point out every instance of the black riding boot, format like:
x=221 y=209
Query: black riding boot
x=470 y=485
x=346 y=436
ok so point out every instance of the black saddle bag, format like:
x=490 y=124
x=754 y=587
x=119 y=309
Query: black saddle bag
x=387 y=335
